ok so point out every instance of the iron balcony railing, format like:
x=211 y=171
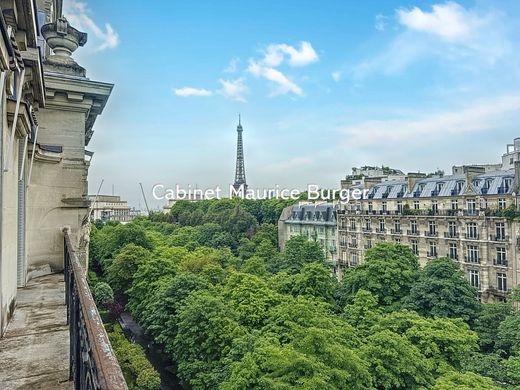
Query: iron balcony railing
x=498 y=237
x=93 y=365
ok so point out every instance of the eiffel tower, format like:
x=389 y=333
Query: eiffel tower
x=240 y=172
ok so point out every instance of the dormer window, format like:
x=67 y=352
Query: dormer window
x=439 y=187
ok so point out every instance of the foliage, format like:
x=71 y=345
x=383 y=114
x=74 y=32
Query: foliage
x=388 y=272
x=121 y=271
x=208 y=283
x=133 y=362
x=103 y=294
x=442 y=290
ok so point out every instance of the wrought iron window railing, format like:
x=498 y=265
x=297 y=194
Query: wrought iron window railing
x=93 y=365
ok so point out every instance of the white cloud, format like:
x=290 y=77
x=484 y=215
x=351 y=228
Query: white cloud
x=381 y=22
x=336 y=76
x=276 y=53
x=189 y=91
x=479 y=116
x=281 y=84
x=77 y=13
x=450 y=21
x=232 y=67
x=233 y=89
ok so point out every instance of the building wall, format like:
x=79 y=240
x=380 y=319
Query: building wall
x=359 y=229
x=56 y=190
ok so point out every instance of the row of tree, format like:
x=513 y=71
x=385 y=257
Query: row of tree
x=239 y=314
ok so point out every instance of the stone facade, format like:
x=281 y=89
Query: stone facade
x=459 y=216
x=109 y=208
x=316 y=222
x=48 y=109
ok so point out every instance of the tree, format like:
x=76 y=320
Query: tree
x=363 y=313
x=508 y=335
x=388 y=272
x=124 y=266
x=206 y=330
x=489 y=319
x=103 y=294
x=316 y=281
x=298 y=252
x=442 y=290
x=395 y=363
x=463 y=381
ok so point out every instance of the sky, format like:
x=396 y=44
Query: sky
x=321 y=87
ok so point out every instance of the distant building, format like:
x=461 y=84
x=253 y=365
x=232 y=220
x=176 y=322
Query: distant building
x=109 y=208
x=315 y=221
x=458 y=216
x=191 y=197
x=369 y=174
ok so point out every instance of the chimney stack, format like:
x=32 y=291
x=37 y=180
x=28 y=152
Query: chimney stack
x=413 y=178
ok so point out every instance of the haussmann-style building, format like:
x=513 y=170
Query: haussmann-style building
x=461 y=216
x=51 y=335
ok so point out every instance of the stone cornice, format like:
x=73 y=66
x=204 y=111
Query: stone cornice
x=71 y=93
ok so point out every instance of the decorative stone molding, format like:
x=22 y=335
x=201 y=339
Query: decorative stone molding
x=63 y=39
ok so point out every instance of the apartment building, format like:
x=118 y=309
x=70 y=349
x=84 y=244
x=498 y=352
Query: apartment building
x=316 y=222
x=109 y=208
x=467 y=216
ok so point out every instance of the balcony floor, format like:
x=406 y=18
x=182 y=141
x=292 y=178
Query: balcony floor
x=34 y=353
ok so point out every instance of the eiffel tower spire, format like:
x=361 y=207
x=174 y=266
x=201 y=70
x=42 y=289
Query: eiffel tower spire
x=240 y=172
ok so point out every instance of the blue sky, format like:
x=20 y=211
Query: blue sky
x=321 y=87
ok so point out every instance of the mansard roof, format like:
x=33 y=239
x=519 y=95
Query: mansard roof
x=489 y=183
x=322 y=213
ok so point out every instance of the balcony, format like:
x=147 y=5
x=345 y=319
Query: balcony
x=412 y=232
x=451 y=234
x=56 y=339
x=453 y=257
x=471 y=236
x=502 y=190
x=367 y=230
x=498 y=237
x=416 y=194
x=500 y=263
x=367 y=246
x=431 y=254
x=352 y=245
x=429 y=233
x=396 y=231
x=472 y=259
x=381 y=231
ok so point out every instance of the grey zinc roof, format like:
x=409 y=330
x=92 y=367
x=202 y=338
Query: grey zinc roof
x=490 y=183
x=313 y=213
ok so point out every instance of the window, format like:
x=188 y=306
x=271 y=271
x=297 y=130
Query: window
x=454 y=204
x=501 y=256
x=507 y=184
x=452 y=229
x=432 y=228
x=439 y=187
x=344 y=256
x=384 y=207
x=471 y=205
x=353 y=259
x=399 y=207
x=397 y=226
x=473 y=254
x=435 y=207
x=416 y=205
x=367 y=225
x=368 y=245
x=433 y=249
x=500 y=229
x=471 y=230
x=413 y=226
x=415 y=248
x=381 y=225
x=474 y=278
x=501 y=281
x=459 y=186
x=352 y=224
x=370 y=207
x=501 y=203
x=452 y=254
